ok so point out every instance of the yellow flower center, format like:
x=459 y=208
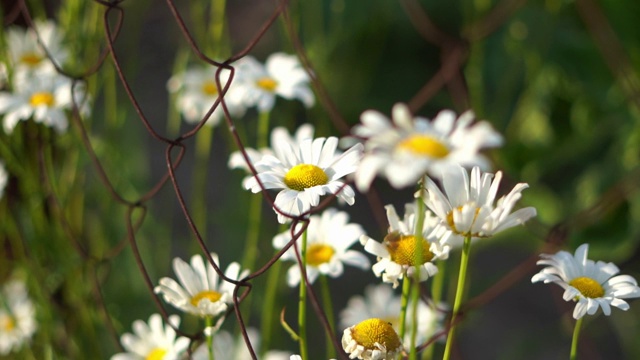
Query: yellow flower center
x=210 y=295
x=372 y=331
x=42 y=98
x=267 y=84
x=319 y=254
x=209 y=88
x=588 y=287
x=304 y=176
x=464 y=232
x=156 y=354
x=403 y=249
x=424 y=145
x=7 y=323
x=30 y=59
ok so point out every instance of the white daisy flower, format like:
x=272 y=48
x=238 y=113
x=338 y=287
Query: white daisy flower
x=226 y=347
x=397 y=253
x=305 y=172
x=153 y=341
x=371 y=339
x=27 y=55
x=469 y=210
x=281 y=75
x=200 y=292
x=329 y=236
x=590 y=284
x=197 y=92
x=279 y=135
x=380 y=302
x=4 y=178
x=409 y=148
x=17 y=317
x=44 y=99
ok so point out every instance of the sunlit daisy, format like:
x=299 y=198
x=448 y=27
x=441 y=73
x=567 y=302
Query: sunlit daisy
x=407 y=148
x=468 y=209
x=590 y=284
x=396 y=254
x=197 y=92
x=372 y=339
x=379 y=301
x=153 y=341
x=282 y=75
x=329 y=236
x=279 y=135
x=228 y=347
x=17 y=317
x=26 y=54
x=305 y=172
x=4 y=178
x=44 y=99
x=200 y=291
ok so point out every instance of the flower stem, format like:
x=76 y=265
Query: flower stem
x=209 y=323
x=255 y=206
x=268 y=305
x=203 y=149
x=255 y=216
x=302 y=302
x=217 y=27
x=437 y=286
x=415 y=295
x=464 y=260
x=574 y=341
x=328 y=309
x=404 y=300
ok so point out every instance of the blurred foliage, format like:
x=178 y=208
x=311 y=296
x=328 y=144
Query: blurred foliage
x=548 y=76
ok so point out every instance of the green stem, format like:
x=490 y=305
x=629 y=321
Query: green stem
x=574 y=341
x=203 y=149
x=209 y=323
x=464 y=260
x=255 y=207
x=255 y=212
x=302 y=305
x=217 y=26
x=415 y=295
x=270 y=295
x=404 y=300
x=328 y=309
x=437 y=286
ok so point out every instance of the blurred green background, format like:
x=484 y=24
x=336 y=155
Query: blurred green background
x=559 y=79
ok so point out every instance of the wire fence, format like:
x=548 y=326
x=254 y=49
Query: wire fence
x=449 y=78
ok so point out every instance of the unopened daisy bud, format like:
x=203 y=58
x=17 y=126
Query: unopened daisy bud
x=372 y=339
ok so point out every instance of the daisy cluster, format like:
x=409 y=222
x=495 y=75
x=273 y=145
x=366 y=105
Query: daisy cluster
x=31 y=86
x=254 y=84
x=406 y=151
